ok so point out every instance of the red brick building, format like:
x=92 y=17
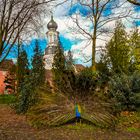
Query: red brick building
x=5 y=67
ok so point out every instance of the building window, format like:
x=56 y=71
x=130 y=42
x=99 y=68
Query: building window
x=55 y=38
x=50 y=38
x=49 y=50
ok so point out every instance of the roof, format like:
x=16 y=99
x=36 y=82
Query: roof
x=52 y=24
x=6 y=65
x=79 y=67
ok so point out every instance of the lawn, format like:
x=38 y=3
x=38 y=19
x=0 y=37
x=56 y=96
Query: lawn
x=7 y=99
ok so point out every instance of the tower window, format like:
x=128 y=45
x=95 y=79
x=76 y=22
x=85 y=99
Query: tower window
x=55 y=38
x=49 y=50
x=50 y=38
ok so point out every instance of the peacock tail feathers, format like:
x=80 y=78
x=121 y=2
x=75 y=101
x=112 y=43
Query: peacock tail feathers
x=55 y=109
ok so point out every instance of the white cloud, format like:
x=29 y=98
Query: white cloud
x=62 y=10
x=14 y=60
x=82 y=50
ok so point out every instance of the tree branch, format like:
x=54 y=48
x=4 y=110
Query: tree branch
x=135 y=2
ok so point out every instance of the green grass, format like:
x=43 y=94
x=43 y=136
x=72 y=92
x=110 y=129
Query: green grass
x=133 y=129
x=7 y=99
x=130 y=122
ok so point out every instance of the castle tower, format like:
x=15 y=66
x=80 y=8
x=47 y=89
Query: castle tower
x=53 y=39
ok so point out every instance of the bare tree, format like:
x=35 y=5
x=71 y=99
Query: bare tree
x=135 y=2
x=17 y=18
x=97 y=17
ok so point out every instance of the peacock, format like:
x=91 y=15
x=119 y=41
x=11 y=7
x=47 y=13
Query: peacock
x=56 y=109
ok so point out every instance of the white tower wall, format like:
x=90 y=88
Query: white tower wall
x=53 y=39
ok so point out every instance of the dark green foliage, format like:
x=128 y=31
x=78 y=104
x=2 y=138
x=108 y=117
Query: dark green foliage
x=134 y=42
x=86 y=82
x=103 y=70
x=81 y=84
x=63 y=71
x=38 y=70
x=59 y=59
x=125 y=92
x=22 y=67
x=31 y=82
x=118 y=50
x=70 y=62
x=23 y=83
x=69 y=79
x=59 y=66
x=27 y=96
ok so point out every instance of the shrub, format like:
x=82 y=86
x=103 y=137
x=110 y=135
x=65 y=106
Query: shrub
x=125 y=92
x=86 y=82
x=27 y=95
x=79 y=85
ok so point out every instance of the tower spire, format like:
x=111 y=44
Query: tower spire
x=53 y=37
x=51 y=16
x=52 y=25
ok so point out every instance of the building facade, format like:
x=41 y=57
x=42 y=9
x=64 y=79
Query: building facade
x=4 y=72
x=53 y=40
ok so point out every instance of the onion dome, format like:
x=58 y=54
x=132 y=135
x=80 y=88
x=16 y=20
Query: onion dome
x=52 y=24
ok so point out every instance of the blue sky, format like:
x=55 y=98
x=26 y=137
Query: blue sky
x=66 y=44
x=66 y=37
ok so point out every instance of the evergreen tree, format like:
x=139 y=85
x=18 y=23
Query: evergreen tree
x=23 y=80
x=70 y=61
x=59 y=59
x=38 y=70
x=31 y=82
x=118 y=49
x=102 y=67
x=27 y=96
x=59 y=66
x=135 y=49
x=102 y=64
x=22 y=66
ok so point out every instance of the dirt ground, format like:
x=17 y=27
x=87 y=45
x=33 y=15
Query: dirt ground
x=15 y=127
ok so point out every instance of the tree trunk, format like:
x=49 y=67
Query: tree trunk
x=94 y=49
